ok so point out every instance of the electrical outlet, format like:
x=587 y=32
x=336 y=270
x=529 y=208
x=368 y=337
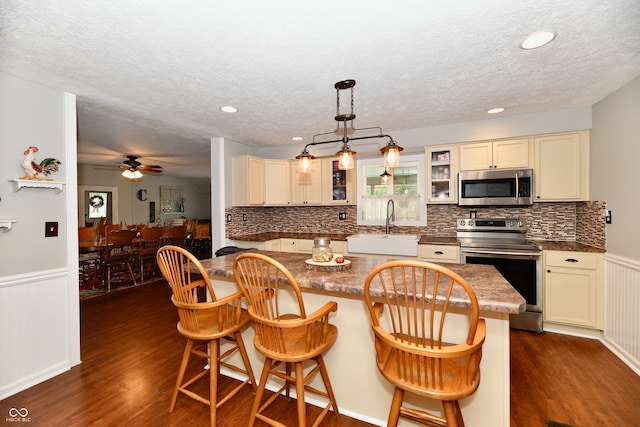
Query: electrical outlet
x=228 y=217
x=342 y=216
x=244 y=216
x=51 y=229
x=607 y=217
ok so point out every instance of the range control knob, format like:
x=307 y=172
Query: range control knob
x=462 y=223
x=470 y=222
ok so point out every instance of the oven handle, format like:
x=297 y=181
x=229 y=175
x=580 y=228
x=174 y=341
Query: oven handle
x=494 y=252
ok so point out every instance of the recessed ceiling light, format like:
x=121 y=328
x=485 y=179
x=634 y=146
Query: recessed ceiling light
x=296 y=138
x=229 y=109
x=537 y=39
x=495 y=110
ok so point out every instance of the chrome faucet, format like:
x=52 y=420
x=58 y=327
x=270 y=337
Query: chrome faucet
x=391 y=216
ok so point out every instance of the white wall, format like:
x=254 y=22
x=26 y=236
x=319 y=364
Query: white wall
x=133 y=211
x=39 y=308
x=615 y=163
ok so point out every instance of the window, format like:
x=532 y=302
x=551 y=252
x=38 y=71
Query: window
x=405 y=187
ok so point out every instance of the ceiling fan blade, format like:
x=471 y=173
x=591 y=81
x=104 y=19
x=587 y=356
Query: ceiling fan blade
x=151 y=168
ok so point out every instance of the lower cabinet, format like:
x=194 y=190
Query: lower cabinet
x=573 y=289
x=269 y=245
x=439 y=253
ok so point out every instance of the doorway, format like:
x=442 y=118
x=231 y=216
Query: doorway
x=97 y=204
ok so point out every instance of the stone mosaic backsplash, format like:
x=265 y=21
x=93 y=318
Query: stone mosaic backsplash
x=581 y=222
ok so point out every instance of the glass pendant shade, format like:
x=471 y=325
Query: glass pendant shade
x=132 y=174
x=345 y=158
x=304 y=161
x=384 y=176
x=391 y=154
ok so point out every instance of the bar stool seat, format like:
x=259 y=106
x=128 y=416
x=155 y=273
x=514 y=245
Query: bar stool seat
x=287 y=340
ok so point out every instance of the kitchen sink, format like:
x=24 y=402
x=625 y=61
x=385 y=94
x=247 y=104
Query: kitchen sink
x=384 y=244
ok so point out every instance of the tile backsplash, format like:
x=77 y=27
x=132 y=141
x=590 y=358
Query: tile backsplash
x=582 y=222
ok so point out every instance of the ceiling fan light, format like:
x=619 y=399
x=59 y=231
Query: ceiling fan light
x=132 y=174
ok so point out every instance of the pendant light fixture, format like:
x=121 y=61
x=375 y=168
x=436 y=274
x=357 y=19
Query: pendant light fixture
x=345 y=156
x=384 y=176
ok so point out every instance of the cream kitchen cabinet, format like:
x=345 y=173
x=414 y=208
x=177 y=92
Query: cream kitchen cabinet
x=442 y=173
x=338 y=186
x=502 y=154
x=268 y=245
x=561 y=167
x=439 y=253
x=573 y=289
x=277 y=182
x=296 y=245
x=306 y=188
x=247 y=181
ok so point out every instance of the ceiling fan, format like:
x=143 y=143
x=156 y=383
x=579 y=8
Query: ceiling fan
x=131 y=168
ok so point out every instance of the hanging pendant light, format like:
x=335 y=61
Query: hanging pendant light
x=345 y=155
x=391 y=154
x=384 y=176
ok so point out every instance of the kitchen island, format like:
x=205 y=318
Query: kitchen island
x=361 y=391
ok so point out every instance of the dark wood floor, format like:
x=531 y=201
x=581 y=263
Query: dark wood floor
x=131 y=352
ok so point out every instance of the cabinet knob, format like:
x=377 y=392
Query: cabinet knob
x=548 y=271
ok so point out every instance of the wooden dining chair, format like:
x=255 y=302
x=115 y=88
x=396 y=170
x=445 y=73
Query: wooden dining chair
x=283 y=337
x=205 y=324
x=118 y=254
x=422 y=345
x=148 y=244
x=176 y=235
x=88 y=260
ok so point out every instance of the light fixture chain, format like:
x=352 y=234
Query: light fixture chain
x=352 y=92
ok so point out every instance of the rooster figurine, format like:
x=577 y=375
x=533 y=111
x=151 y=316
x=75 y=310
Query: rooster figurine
x=32 y=169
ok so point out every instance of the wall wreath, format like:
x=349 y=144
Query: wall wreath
x=96 y=201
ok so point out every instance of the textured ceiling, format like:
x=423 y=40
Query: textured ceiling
x=151 y=75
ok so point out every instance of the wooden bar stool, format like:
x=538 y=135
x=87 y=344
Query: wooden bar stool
x=414 y=346
x=285 y=338
x=205 y=324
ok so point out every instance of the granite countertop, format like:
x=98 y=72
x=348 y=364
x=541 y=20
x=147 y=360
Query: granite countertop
x=272 y=235
x=548 y=245
x=493 y=291
x=425 y=239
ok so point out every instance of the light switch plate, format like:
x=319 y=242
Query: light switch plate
x=51 y=229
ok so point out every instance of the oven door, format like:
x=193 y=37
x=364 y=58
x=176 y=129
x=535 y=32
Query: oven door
x=522 y=269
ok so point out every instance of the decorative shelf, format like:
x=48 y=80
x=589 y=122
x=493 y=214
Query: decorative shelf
x=6 y=223
x=34 y=183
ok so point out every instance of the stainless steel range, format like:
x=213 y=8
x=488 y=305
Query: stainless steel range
x=502 y=242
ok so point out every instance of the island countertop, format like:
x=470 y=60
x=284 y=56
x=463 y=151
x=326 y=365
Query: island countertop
x=493 y=291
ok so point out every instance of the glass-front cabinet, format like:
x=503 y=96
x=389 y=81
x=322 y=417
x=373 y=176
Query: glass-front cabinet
x=442 y=174
x=340 y=184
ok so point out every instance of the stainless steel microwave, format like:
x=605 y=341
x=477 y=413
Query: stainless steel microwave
x=496 y=187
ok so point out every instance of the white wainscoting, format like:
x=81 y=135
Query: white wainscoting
x=34 y=329
x=622 y=309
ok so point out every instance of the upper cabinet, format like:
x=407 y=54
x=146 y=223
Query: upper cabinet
x=338 y=186
x=306 y=187
x=503 y=154
x=247 y=181
x=277 y=182
x=562 y=167
x=442 y=172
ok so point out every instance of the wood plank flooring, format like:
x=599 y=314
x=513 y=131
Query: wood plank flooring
x=131 y=352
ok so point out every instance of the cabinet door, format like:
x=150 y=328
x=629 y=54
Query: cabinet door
x=277 y=176
x=247 y=181
x=338 y=186
x=306 y=188
x=573 y=292
x=503 y=154
x=570 y=296
x=476 y=156
x=511 y=154
x=442 y=172
x=561 y=167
